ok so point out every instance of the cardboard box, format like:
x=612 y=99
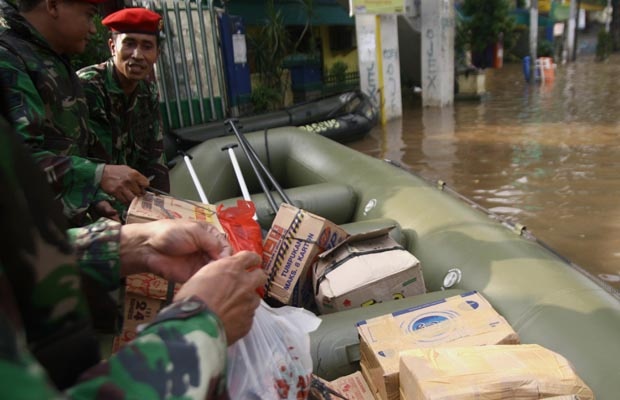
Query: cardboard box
x=150 y=285
x=291 y=246
x=147 y=290
x=365 y=269
x=489 y=372
x=352 y=387
x=138 y=310
x=465 y=320
x=151 y=207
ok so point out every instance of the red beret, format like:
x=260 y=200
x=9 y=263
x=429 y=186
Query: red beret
x=134 y=20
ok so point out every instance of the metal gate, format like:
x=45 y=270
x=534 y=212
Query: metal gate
x=189 y=69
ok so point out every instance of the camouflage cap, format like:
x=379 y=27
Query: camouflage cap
x=134 y=20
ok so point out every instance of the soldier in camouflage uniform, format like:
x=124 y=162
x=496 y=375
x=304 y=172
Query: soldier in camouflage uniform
x=47 y=106
x=48 y=349
x=122 y=96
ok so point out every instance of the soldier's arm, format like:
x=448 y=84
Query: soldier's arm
x=182 y=354
x=74 y=179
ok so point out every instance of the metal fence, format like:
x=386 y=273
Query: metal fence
x=189 y=70
x=339 y=83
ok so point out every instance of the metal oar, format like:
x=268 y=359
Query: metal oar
x=255 y=163
x=190 y=167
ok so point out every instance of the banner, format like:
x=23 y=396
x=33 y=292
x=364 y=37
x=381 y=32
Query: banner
x=377 y=6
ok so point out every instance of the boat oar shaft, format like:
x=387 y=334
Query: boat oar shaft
x=233 y=160
x=251 y=154
x=246 y=151
x=238 y=173
x=190 y=168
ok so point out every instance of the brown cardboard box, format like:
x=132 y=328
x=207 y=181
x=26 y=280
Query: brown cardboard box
x=352 y=387
x=365 y=269
x=295 y=239
x=148 y=290
x=465 y=320
x=150 y=285
x=138 y=310
x=490 y=372
x=151 y=207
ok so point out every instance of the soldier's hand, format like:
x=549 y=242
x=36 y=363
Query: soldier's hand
x=104 y=209
x=173 y=249
x=228 y=289
x=123 y=183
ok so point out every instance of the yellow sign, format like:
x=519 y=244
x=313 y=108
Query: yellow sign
x=544 y=5
x=378 y=6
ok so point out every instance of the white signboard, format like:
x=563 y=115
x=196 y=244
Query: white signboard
x=240 y=53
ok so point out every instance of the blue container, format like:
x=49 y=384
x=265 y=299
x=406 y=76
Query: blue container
x=527 y=68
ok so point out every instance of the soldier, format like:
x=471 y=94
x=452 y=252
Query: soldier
x=47 y=106
x=122 y=95
x=44 y=319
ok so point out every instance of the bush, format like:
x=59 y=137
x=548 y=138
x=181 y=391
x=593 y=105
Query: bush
x=604 y=45
x=265 y=98
x=339 y=71
x=544 y=48
x=97 y=50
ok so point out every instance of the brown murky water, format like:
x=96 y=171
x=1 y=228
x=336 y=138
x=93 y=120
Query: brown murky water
x=547 y=156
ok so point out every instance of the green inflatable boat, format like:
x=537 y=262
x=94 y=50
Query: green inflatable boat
x=545 y=298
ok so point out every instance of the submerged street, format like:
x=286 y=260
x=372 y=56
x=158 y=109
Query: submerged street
x=543 y=156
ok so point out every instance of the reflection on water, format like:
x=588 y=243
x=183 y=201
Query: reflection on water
x=545 y=156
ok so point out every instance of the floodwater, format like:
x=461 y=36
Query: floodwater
x=546 y=156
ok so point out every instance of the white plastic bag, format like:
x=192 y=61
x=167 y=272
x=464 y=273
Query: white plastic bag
x=273 y=361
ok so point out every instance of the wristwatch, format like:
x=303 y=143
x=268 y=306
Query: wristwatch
x=184 y=309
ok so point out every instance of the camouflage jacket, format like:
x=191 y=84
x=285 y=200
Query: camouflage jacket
x=45 y=320
x=128 y=127
x=47 y=107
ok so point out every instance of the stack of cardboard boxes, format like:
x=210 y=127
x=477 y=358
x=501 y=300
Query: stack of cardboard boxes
x=146 y=294
x=458 y=348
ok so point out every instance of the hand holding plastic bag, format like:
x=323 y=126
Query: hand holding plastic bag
x=273 y=361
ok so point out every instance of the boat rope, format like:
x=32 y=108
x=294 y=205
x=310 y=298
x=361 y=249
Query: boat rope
x=515 y=227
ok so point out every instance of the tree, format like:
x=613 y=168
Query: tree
x=615 y=23
x=486 y=23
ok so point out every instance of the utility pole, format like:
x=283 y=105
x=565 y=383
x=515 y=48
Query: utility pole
x=571 y=28
x=533 y=33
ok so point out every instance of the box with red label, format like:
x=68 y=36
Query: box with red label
x=295 y=239
x=138 y=310
x=151 y=207
x=351 y=387
x=148 y=290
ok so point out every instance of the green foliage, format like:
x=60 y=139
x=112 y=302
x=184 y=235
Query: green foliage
x=339 y=71
x=604 y=45
x=97 y=50
x=265 y=98
x=544 y=48
x=270 y=45
x=308 y=8
x=486 y=22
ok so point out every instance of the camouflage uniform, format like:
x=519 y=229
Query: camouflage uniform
x=45 y=321
x=128 y=127
x=47 y=107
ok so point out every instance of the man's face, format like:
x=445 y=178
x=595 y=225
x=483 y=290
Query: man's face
x=74 y=25
x=134 y=54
